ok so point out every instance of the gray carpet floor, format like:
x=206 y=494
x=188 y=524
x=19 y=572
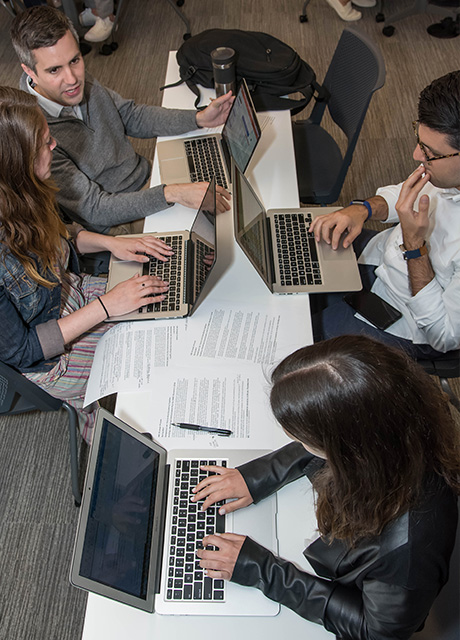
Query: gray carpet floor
x=38 y=517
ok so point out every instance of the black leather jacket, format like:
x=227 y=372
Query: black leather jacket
x=383 y=588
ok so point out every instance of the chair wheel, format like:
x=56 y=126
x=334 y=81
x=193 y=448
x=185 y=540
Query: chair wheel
x=303 y=17
x=380 y=17
x=114 y=46
x=388 y=31
x=186 y=36
x=180 y=3
x=106 y=50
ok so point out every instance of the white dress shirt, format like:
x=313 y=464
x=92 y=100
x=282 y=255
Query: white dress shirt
x=432 y=316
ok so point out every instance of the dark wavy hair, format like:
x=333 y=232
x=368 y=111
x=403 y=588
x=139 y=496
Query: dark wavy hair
x=382 y=423
x=30 y=226
x=439 y=107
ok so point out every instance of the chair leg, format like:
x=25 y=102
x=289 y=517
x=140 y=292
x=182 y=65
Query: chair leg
x=73 y=428
x=452 y=397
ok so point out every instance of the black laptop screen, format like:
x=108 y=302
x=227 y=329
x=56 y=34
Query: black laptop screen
x=117 y=546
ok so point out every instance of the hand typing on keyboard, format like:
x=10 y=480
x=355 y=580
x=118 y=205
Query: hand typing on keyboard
x=225 y=484
x=138 y=249
x=220 y=562
x=134 y=293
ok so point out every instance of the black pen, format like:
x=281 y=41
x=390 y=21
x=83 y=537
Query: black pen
x=197 y=427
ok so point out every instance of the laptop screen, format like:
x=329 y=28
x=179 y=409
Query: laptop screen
x=242 y=132
x=203 y=240
x=251 y=230
x=117 y=543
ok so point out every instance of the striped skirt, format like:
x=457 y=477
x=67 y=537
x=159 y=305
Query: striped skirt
x=67 y=379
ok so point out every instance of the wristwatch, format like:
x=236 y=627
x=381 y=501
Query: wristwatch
x=366 y=204
x=414 y=253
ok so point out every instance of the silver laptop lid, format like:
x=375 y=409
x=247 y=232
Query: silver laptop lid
x=120 y=532
x=241 y=132
x=251 y=229
x=202 y=247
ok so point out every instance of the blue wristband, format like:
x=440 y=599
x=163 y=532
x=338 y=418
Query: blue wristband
x=366 y=204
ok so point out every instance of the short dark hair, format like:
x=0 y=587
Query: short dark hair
x=439 y=107
x=381 y=422
x=38 y=27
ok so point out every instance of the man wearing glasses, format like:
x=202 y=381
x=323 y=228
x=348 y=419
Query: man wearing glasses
x=415 y=265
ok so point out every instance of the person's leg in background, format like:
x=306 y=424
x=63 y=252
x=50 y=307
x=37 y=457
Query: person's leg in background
x=345 y=10
x=100 y=17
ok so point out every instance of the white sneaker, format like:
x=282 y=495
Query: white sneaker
x=345 y=12
x=101 y=30
x=365 y=3
x=87 y=18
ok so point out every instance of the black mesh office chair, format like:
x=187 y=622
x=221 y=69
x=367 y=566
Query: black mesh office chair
x=356 y=70
x=445 y=367
x=19 y=395
x=450 y=10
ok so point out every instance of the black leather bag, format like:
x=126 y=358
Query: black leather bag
x=271 y=68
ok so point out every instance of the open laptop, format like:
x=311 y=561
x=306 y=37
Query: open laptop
x=284 y=254
x=187 y=270
x=134 y=541
x=196 y=159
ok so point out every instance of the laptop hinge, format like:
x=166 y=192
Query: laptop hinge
x=189 y=271
x=270 y=252
x=161 y=530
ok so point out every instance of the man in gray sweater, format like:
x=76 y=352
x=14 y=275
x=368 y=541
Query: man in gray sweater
x=101 y=178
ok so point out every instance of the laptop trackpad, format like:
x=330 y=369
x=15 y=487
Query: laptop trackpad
x=258 y=521
x=327 y=253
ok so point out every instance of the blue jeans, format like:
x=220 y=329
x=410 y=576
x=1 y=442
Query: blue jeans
x=332 y=317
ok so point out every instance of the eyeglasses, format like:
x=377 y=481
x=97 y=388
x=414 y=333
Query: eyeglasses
x=423 y=148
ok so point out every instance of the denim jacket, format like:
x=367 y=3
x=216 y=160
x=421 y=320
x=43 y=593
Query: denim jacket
x=30 y=338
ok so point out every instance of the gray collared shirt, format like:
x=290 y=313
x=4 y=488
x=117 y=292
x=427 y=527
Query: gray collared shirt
x=53 y=108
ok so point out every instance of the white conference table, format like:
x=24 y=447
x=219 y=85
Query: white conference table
x=272 y=173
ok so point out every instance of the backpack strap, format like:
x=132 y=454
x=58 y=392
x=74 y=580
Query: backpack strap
x=192 y=86
x=268 y=102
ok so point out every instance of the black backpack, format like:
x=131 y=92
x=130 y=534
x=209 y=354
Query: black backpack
x=271 y=68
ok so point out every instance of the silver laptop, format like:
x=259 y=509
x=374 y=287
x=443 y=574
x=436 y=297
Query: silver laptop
x=138 y=530
x=187 y=270
x=285 y=255
x=197 y=159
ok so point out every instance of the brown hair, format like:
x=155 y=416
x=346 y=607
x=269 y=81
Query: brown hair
x=381 y=422
x=38 y=27
x=30 y=222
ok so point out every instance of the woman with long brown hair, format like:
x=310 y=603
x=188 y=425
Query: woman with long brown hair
x=52 y=317
x=375 y=437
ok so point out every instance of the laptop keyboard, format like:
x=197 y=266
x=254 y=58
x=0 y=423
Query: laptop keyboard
x=297 y=253
x=204 y=160
x=186 y=579
x=171 y=271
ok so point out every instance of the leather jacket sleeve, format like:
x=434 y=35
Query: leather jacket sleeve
x=381 y=611
x=269 y=473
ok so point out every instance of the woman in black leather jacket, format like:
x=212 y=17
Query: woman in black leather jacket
x=375 y=437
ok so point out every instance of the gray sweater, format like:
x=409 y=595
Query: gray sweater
x=98 y=173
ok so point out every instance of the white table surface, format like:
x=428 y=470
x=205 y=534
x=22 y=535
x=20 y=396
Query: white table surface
x=272 y=174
